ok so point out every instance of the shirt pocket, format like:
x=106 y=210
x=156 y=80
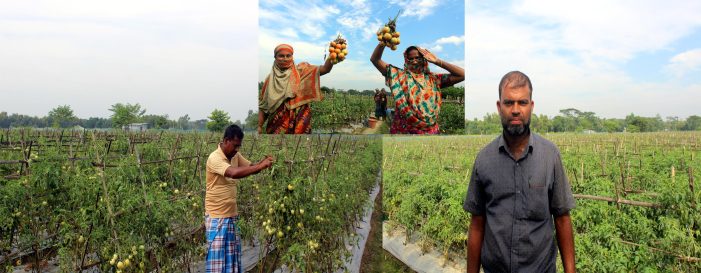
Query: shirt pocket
x=537 y=199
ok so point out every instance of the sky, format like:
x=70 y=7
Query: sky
x=309 y=26
x=172 y=57
x=613 y=58
x=184 y=57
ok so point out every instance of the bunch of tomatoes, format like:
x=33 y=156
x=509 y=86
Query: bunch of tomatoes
x=338 y=50
x=388 y=34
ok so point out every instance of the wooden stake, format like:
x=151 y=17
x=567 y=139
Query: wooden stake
x=691 y=187
x=581 y=171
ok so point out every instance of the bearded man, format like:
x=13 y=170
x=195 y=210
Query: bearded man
x=519 y=193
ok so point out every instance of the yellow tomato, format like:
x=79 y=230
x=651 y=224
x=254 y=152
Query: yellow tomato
x=387 y=37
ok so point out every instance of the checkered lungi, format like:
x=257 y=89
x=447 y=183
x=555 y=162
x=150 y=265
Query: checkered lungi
x=224 y=245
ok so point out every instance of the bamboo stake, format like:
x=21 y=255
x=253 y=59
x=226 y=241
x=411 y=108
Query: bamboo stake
x=617 y=200
x=680 y=257
x=691 y=187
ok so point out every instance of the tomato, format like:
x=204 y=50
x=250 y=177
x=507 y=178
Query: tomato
x=387 y=37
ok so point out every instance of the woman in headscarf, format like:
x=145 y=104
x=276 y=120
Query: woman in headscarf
x=416 y=91
x=283 y=102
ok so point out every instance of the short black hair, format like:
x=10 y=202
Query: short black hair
x=233 y=132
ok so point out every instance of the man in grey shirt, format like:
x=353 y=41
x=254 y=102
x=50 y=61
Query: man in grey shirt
x=517 y=187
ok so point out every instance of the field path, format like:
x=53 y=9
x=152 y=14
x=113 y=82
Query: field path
x=370 y=131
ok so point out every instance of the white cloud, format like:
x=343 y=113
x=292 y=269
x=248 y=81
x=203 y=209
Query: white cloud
x=436 y=48
x=370 y=30
x=567 y=67
x=563 y=75
x=614 y=30
x=455 y=40
x=418 y=8
x=274 y=14
x=353 y=22
x=684 y=63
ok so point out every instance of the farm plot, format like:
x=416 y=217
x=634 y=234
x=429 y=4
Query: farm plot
x=637 y=196
x=134 y=201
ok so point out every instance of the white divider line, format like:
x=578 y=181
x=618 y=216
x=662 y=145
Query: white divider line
x=409 y=252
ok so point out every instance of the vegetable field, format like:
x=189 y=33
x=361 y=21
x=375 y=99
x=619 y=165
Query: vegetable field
x=133 y=202
x=637 y=196
x=339 y=110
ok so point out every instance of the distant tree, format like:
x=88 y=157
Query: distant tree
x=612 y=125
x=453 y=92
x=183 y=122
x=540 y=123
x=251 y=121
x=4 y=120
x=156 y=121
x=692 y=123
x=490 y=124
x=124 y=114
x=673 y=123
x=94 y=122
x=368 y=92
x=218 y=120
x=200 y=124
x=62 y=116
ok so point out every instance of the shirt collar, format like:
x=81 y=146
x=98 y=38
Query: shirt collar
x=531 y=144
x=221 y=152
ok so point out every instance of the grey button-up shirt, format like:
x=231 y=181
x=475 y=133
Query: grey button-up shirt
x=519 y=198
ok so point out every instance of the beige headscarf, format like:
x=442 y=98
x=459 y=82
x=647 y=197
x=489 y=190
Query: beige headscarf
x=277 y=87
x=299 y=83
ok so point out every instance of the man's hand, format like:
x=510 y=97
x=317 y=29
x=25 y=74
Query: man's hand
x=474 y=243
x=267 y=162
x=241 y=172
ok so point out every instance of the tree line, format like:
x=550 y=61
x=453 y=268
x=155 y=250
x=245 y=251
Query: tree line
x=574 y=120
x=453 y=92
x=122 y=115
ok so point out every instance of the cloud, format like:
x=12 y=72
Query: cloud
x=417 y=8
x=437 y=46
x=356 y=14
x=455 y=40
x=278 y=17
x=684 y=63
x=353 y=22
x=574 y=60
x=613 y=30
